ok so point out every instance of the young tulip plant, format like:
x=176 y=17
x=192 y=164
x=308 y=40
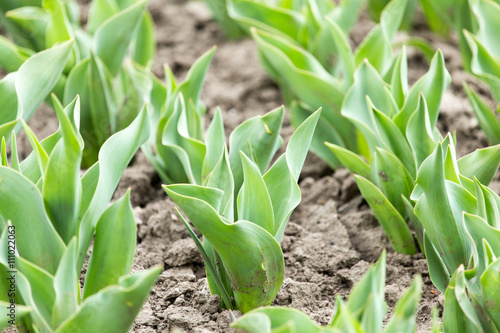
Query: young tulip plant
x=318 y=72
x=461 y=222
x=111 y=86
x=485 y=65
x=242 y=210
x=43 y=248
x=363 y=312
x=397 y=131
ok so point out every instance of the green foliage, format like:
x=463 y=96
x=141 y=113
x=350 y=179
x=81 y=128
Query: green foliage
x=111 y=85
x=242 y=210
x=397 y=126
x=484 y=63
x=219 y=11
x=363 y=312
x=311 y=59
x=21 y=92
x=45 y=195
x=461 y=234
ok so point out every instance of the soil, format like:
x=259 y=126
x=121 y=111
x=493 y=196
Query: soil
x=331 y=238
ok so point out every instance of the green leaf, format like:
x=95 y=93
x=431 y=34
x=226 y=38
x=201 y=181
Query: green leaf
x=254 y=202
x=17 y=191
x=392 y=178
x=12 y=56
x=484 y=115
x=482 y=164
x=432 y=86
x=480 y=231
x=367 y=82
x=438 y=271
x=66 y=286
x=214 y=142
x=283 y=190
x=21 y=311
x=114 y=157
x=304 y=76
x=114 y=308
x=269 y=319
x=366 y=301
x=447 y=236
x=376 y=47
x=389 y=218
x=419 y=132
x=62 y=186
x=99 y=12
x=144 y=45
x=259 y=139
x=112 y=39
x=114 y=247
x=353 y=162
x=491 y=289
x=37 y=77
x=251 y=256
x=274 y=19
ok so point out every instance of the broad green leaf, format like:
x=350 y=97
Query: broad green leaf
x=353 y=162
x=484 y=64
x=389 y=218
x=479 y=230
x=16 y=192
x=66 y=286
x=305 y=77
x=487 y=13
x=62 y=186
x=114 y=247
x=251 y=256
x=325 y=132
x=221 y=178
x=230 y=27
x=269 y=319
x=432 y=86
x=273 y=19
x=491 y=289
x=8 y=100
x=481 y=164
x=58 y=28
x=144 y=45
x=114 y=157
x=112 y=39
x=390 y=137
x=438 y=271
x=346 y=13
x=399 y=78
x=367 y=82
x=484 y=115
x=21 y=311
x=114 y=308
x=101 y=104
x=99 y=12
x=281 y=179
x=254 y=202
x=448 y=236
x=419 y=132
x=11 y=55
x=259 y=139
x=214 y=142
x=37 y=77
x=488 y=204
x=41 y=284
x=392 y=178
